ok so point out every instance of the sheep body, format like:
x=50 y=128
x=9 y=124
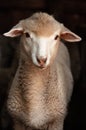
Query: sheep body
x=38 y=97
x=43 y=100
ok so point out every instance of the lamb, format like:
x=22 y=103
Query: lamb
x=43 y=83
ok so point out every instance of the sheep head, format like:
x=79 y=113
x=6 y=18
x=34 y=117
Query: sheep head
x=40 y=35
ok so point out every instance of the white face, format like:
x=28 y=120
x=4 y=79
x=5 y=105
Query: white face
x=42 y=48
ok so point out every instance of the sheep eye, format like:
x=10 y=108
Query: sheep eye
x=56 y=37
x=27 y=35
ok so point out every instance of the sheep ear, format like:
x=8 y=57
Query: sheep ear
x=69 y=36
x=15 y=31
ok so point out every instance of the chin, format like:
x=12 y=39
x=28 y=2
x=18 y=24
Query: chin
x=41 y=67
x=44 y=67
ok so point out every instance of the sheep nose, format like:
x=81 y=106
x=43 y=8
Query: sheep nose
x=41 y=61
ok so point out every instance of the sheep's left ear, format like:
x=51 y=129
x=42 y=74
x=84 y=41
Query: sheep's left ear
x=69 y=36
x=15 y=31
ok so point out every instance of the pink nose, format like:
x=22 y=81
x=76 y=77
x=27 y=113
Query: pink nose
x=41 y=61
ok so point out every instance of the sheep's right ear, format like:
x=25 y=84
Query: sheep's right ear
x=15 y=31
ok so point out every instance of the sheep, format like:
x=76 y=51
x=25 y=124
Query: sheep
x=42 y=86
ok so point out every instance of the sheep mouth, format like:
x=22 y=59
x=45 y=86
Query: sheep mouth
x=42 y=67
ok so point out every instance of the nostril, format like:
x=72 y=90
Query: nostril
x=41 y=61
x=45 y=59
x=38 y=60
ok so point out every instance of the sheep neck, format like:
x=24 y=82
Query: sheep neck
x=28 y=68
x=33 y=77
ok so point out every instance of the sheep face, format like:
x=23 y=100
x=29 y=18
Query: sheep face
x=40 y=37
x=41 y=49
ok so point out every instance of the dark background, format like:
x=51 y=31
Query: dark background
x=70 y=12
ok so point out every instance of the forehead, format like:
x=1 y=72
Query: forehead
x=42 y=25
